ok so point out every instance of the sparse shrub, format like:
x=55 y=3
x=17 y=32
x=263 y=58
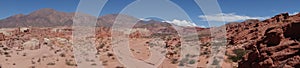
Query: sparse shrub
x=101 y=46
x=215 y=62
x=119 y=67
x=51 y=63
x=70 y=63
x=183 y=61
x=181 y=64
x=174 y=61
x=6 y=49
x=205 y=53
x=6 y=53
x=94 y=64
x=29 y=67
x=104 y=63
x=110 y=54
x=192 y=62
x=24 y=54
x=62 y=55
x=239 y=54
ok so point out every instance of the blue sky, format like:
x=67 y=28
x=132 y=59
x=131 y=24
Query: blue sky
x=233 y=10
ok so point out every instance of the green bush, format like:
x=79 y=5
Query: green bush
x=215 y=62
x=192 y=61
x=239 y=54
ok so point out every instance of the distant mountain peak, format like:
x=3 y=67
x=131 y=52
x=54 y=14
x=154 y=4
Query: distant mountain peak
x=44 y=11
x=153 y=19
x=17 y=16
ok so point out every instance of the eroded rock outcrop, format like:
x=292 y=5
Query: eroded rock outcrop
x=2 y=37
x=272 y=43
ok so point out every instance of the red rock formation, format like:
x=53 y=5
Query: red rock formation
x=274 y=42
x=135 y=34
x=2 y=37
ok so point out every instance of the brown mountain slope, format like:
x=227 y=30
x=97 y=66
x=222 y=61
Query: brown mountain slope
x=39 y=18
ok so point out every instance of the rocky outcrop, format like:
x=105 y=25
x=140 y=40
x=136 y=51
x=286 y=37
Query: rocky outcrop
x=272 y=43
x=2 y=37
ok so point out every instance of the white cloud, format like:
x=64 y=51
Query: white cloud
x=202 y=26
x=181 y=22
x=143 y=19
x=294 y=13
x=230 y=17
x=177 y=22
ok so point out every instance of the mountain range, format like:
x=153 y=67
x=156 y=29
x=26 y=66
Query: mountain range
x=49 y=17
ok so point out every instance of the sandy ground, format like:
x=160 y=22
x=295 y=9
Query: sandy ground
x=58 y=53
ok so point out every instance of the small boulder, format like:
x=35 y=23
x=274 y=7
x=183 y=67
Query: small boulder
x=24 y=29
